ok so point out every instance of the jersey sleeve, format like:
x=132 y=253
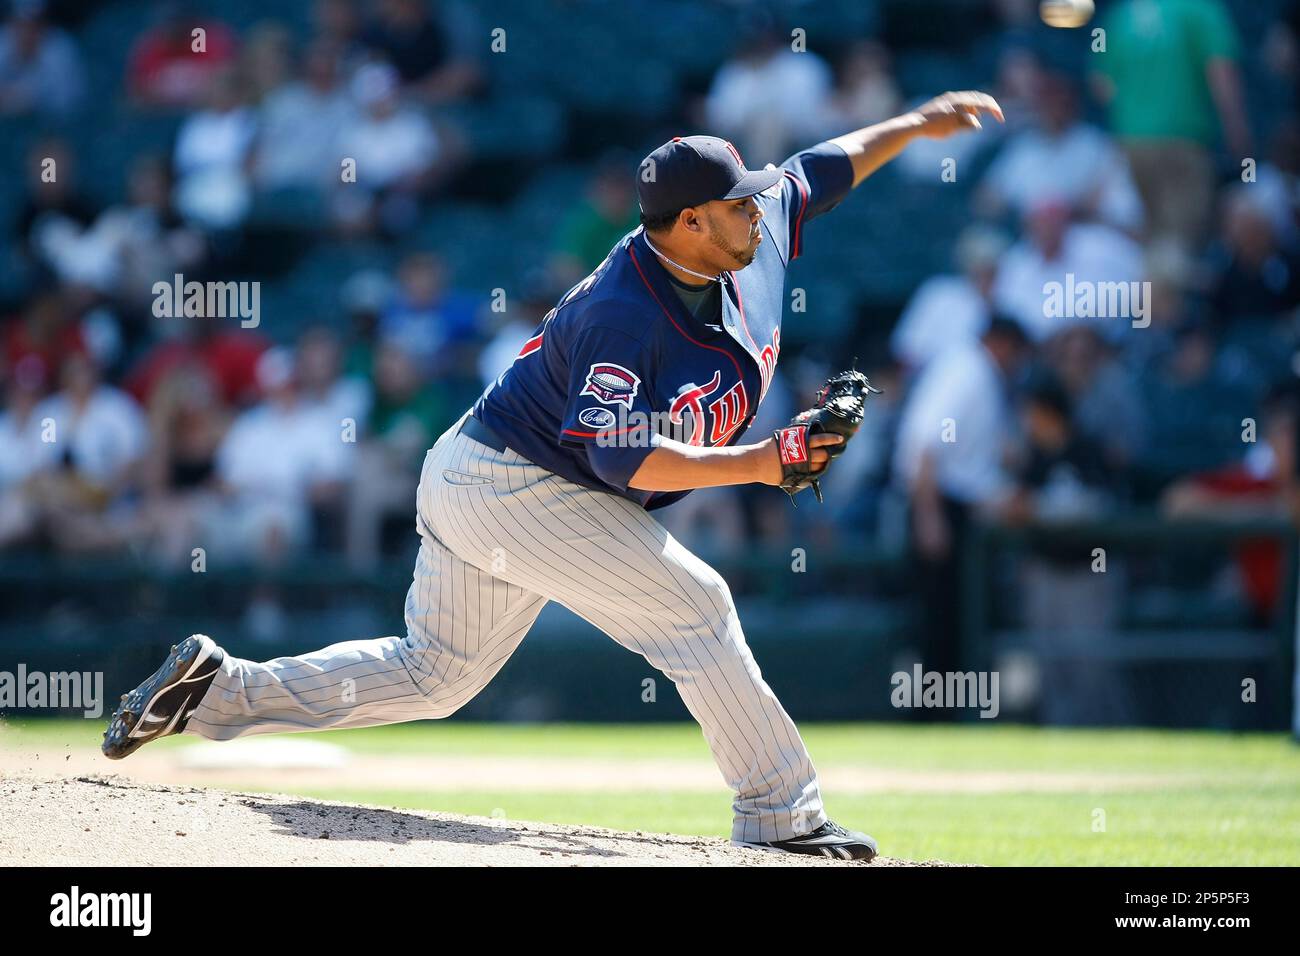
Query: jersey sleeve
x=608 y=408
x=816 y=179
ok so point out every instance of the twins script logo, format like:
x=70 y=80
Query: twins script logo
x=735 y=153
x=726 y=412
x=767 y=362
x=611 y=384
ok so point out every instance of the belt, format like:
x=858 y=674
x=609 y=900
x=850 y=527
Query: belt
x=475 y=429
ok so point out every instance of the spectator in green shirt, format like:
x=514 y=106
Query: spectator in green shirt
x=608 y=212
x=1170 y=80
x=406 y=417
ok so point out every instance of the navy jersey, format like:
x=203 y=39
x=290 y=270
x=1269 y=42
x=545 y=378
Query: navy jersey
x=620 y=359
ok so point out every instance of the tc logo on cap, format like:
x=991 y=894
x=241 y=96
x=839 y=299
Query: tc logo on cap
x=735 y=152
x=693 y=170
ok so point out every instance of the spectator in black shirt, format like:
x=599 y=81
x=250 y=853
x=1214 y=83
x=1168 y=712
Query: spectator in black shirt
x=1259 y=278
x=1067 y=605
x=53 y=199
x=415 y=41
x=1063 y=473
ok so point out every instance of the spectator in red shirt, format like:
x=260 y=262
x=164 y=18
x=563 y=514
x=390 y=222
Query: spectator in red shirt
x=229 y=355
x=47 y=332
x=1262 y=485
x=165 y=69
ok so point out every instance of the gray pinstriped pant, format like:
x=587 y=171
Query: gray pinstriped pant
x=499 y=538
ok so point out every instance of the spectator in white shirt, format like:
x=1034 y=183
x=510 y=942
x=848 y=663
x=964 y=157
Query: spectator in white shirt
x=948 y=311
x=299 y=125
x=321 y=382
x=768 y=98
x=1055 y=251
x=88 y=452
x=396 y=150
x=391 y=143
x=509 y=329
x=130 y=245
x=867 y=92
x=22 y=453
x=950 y=459
x=24 y=457
x=278 y=460
x=1062 y=158
x=40 y=69
x=956 y=423
x=211 y=159
x=100 y=432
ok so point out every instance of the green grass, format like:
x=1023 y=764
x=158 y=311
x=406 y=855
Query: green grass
x=1234 y=799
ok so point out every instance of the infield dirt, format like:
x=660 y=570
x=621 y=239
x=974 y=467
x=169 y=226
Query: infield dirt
x=113 y=821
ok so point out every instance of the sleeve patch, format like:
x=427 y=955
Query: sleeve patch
x=611 y=384
x=597 y=417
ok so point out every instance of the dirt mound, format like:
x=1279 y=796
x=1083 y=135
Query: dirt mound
x=108 y=820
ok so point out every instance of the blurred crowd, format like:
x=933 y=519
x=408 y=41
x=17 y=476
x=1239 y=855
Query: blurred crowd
x=1146 y=166
x=127 y=426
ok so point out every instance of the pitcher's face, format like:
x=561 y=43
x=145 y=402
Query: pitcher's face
x=733 y=231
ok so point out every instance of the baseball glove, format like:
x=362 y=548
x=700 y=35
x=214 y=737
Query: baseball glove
x=838 y=409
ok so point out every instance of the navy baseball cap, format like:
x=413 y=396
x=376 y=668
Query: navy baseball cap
x=693 y=170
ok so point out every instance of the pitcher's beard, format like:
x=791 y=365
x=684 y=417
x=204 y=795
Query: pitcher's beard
x=742 y=257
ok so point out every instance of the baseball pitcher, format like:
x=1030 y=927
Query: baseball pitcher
x=635 y=389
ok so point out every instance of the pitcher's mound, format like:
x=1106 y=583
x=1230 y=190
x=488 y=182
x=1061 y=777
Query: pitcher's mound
x=111 y=821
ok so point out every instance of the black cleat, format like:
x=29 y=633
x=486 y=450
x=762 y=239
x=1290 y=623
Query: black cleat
x=829 y=839
x=161 y=705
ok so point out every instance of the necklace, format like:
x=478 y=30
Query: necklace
x=689 y=272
